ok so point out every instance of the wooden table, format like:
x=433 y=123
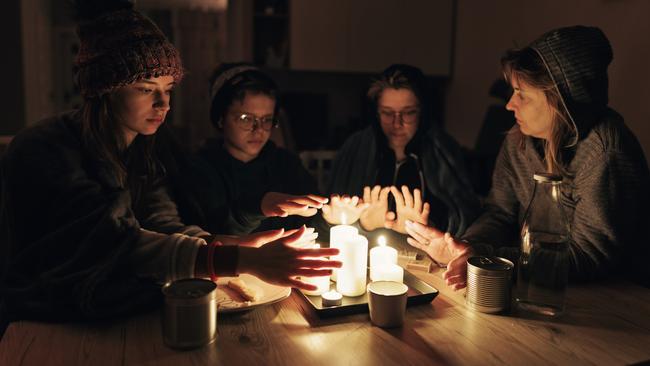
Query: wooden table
x=606 y=324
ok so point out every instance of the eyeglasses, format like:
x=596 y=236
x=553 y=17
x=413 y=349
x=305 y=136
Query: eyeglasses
x=407 y=117
x=249 y=122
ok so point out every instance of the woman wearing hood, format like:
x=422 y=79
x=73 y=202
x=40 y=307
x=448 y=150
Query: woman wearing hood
x=402 y=156
x=564 y=127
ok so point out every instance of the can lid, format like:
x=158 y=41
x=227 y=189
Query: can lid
x=189 y=288
x=489 y=265
x=547 y=178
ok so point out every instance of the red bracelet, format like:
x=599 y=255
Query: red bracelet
x=210 y=265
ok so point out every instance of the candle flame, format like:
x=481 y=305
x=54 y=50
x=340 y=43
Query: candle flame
x=382 y=241
x=343 y=218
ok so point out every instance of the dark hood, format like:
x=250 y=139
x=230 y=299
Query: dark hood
x=577 y=58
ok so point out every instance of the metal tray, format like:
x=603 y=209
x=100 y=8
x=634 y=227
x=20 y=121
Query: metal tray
x=419 y=292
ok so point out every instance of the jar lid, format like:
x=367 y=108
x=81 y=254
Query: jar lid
x=494 y=266
x=547 y=177
x=189 y=289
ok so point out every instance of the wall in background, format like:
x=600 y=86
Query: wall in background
x=485 y=29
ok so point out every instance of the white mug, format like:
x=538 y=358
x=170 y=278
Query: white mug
x=387 y=303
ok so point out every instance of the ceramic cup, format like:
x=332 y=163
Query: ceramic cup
x=387 y=303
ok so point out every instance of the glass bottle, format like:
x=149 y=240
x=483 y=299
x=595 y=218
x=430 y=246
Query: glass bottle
x=543 y=266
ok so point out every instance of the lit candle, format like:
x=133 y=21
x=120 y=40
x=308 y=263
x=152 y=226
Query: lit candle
x=338 y=234
x=380 y=257
x=354 y=259
x=332 y=298
x=389 y=272
x=322 y=283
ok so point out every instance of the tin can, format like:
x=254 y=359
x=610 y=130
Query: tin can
x=190 y=314
x=488 y=283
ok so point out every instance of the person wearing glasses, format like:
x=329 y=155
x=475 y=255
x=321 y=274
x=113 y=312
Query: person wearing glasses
x=402 y=166
x=244 y=182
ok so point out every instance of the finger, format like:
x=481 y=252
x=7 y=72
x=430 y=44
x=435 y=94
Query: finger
x=374 y=194
x=424 y=230
x=301 y=285
x=459 y=286
x=417 y=200
x=309 y=212
x=390 y=216
x=327 y=212
x=417 y=236
x=345 y=199
x=289 y=232
x=383 y=194
x=310 y=272
x=354 y=200
x=318 y=253
x=307 y=201
x=335 y=199
x=318 y=198
x=415 y=243
x=425 y=213
x=399 y=199
x=366 y=195
x=294 y=237
x=408 y=197
x=266 y=236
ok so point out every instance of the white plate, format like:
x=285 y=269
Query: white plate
x=229 y=301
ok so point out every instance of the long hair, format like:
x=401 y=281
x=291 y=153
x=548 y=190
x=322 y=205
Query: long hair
x=103 y=138
x=526 y=65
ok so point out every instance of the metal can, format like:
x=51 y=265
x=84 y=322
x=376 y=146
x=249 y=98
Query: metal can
x=190 y=314
x=488 y=283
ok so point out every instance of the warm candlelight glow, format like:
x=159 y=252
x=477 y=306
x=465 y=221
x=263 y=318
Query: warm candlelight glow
x=381 y=241
x=343 y=218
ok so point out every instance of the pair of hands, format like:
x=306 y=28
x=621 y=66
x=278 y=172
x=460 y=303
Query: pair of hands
x=372 y=210
x=442 y=248
x=279 y=256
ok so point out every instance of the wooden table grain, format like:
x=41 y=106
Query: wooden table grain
x=605 y=324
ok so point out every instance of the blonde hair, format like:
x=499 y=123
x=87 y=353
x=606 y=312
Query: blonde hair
x=525 y=65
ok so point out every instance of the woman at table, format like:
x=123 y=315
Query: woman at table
x=564 y=126
x=233 y=183
x=402 y=156
x=88 y=228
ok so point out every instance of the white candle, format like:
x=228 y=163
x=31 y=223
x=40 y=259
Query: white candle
x=389 y=272
x=322 y=283
x=352 y=275
x=332 y=298
x=380 y=257
x=338 y=234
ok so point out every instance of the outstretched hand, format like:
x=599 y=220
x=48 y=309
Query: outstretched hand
x=343 y=209
x=283 y=205
x=258 y=239
x=280 y=261
x=377 y=214
x=408 y=207
x=442 y=248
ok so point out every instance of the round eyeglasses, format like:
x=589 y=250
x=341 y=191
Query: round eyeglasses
x=249 y=122
x=407 y=117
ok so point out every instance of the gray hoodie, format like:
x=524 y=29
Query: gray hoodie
x=605 y=196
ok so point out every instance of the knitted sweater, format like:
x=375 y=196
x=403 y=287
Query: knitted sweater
x=606 y=199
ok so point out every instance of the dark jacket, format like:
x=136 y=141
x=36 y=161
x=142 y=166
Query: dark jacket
x=223 y=194
x=71 y=233
x=358 y=163
x=605 y=194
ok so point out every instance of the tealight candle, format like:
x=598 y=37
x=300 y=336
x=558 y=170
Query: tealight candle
x=332 y=298
x=380 y=257
x=389 y=272
x=354 y=259
x=322 y=283
x=339 y=234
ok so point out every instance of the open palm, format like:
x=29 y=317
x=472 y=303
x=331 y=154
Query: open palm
x=408 y=207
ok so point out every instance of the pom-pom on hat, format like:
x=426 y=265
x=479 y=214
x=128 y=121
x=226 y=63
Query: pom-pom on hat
x=119 y=46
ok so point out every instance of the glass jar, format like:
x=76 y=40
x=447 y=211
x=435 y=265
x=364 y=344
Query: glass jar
x=543 y=266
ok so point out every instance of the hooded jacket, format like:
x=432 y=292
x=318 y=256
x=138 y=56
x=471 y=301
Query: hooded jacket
x=605 y=193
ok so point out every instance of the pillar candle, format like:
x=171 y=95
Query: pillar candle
x=322 y=283
x=352 y=275
x=339 y=234
x=380 y=257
